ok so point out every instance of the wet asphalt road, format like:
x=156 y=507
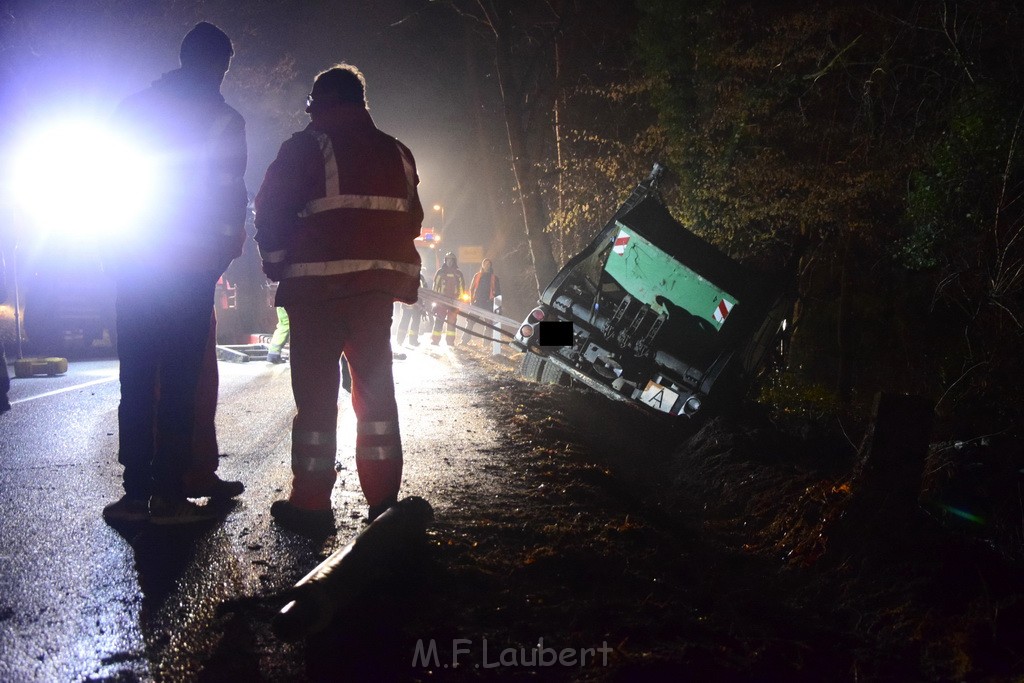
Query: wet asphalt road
x=80 y=600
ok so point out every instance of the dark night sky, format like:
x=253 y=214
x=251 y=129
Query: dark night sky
x=88 y=54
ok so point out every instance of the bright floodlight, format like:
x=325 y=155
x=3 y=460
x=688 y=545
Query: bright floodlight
x=82 y=178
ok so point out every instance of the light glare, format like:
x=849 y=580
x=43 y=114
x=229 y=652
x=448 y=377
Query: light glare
x=79 y=178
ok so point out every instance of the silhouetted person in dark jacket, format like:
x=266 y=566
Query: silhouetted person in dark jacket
x=166 y=274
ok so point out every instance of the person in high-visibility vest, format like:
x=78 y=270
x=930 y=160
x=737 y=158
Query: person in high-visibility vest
x=336 y=217
x=482 y=290
x=281 y=334
x=166 y=273
x=448 y=281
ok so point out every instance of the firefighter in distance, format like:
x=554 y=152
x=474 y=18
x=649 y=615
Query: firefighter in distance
x=447 y=281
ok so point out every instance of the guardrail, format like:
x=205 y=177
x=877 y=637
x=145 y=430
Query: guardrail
x=472 y=312
x=489 y=319
x=496 y=323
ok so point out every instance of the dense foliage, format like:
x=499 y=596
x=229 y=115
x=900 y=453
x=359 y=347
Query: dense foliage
x=883 y=137
x=878 y=140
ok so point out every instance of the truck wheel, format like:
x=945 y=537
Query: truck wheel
x=532 y=366
x=552 y=374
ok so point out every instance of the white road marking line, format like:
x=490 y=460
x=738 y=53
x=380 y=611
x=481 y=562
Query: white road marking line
x=65 y=389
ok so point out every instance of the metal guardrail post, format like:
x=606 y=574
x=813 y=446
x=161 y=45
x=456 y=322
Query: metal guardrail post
x=496 y=334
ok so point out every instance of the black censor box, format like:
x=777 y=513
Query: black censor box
x=554 y=333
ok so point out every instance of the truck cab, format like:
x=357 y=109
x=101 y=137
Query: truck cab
x=651 y=313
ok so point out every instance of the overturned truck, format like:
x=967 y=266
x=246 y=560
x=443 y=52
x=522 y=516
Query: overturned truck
x=651 y=313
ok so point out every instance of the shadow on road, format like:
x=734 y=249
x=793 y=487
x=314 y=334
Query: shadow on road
x=164 y=553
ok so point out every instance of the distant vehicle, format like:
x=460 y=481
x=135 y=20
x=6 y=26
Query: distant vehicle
x=427 y=245
x=69 y=303
x=649 y=312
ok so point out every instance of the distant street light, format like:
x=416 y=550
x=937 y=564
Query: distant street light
x=440 y=208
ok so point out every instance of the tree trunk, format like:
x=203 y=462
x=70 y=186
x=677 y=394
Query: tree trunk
x=489 y=179
x=844 y=328
x=556 y=106
x=800 y=284
x=523 y=167
x=535 y=218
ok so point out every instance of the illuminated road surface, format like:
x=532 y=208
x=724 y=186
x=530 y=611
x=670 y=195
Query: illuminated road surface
x=80 y=601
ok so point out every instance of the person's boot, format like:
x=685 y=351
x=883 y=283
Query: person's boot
x=127 y=509
x=165 y=510
x=213 y=487
x=302 y=521
x=376 y=511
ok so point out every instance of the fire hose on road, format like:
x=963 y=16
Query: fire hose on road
x=336 y=581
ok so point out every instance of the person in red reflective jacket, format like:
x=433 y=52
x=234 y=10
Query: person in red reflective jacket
x=336 y=217
x=482 y=292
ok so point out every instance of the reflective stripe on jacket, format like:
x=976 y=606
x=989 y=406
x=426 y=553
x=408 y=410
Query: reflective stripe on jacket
x=338 y=212
x=449 y=281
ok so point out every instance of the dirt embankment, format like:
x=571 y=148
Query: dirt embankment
x=739 y=550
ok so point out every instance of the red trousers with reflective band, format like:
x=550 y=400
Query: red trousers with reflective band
x=442 y=315
x=359 y=327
